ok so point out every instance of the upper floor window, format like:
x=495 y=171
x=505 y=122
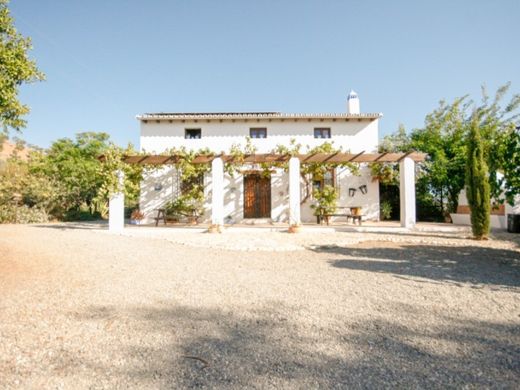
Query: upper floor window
x=322 y=132
x=192 y=133
x=259 y=132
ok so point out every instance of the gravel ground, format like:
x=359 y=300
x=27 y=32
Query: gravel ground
x=81 y=308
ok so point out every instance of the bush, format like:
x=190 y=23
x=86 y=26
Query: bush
x=10 y=213
x=386 y=210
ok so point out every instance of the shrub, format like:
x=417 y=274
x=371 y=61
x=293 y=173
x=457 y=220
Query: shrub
x=10 y=213
x=386 y=210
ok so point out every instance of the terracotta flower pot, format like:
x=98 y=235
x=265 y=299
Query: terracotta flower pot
x=215 y=229
x=295 y=229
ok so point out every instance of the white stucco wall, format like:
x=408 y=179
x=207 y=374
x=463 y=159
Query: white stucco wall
x=496 y=221
x=354 y=136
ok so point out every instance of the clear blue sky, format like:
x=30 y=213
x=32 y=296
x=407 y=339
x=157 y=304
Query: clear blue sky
x=107 y=61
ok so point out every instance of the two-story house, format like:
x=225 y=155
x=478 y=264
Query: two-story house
x=250 y=195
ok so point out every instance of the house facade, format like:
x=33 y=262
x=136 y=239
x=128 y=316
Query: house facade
x=249 y=195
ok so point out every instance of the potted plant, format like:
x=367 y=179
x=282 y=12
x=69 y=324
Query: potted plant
x=355 y=210
x=136 y=217
x=295 y=228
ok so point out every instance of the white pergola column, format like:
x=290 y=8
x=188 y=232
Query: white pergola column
x=217 y=192
x=294 y=191
x=116 y=207
x=407 y=192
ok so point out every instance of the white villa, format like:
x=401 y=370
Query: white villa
x=250 y=195
x=283 y=196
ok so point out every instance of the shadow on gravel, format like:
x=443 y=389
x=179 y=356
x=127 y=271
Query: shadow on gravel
x=73 y=225
x=187 y=347
x=474 y=265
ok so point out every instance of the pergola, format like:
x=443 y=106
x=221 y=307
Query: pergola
x=406 y=167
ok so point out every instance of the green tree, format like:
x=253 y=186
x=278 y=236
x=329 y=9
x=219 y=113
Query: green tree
x=496 y=121
x=443 y=139
x=511 y=165
x=75 y=164
x=16 y=68
x=477 y=184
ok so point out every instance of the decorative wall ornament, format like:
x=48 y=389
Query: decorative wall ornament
x=351 y=192
x=363 y=189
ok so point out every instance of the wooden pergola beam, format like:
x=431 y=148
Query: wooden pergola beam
x=325 y=158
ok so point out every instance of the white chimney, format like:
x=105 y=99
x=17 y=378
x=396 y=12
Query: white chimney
x=352 y=103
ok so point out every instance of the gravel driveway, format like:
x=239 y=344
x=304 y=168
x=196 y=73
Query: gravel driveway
x=81 y=308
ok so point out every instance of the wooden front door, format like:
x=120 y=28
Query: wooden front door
x=257 y=196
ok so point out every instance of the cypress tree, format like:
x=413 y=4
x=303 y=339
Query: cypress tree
x=477 y=184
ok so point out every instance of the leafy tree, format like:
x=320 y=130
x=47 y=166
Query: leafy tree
x=443 y=139
x=26 y=197
x=477 y=184
x=511 y=165
x=16 y=68
x=388 y=174
x=75 y=164
x=496 y=124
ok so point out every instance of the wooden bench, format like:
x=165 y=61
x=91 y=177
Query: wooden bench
x=348 y=215
x=161 y=215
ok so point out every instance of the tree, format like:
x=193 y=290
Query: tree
x=75 y=165
x=16 y=68
x=443 y=139
x=511 y=166
x=477 y=184
x=496 y=125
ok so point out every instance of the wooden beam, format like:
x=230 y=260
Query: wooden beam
x=356 y=156
x=336 y=157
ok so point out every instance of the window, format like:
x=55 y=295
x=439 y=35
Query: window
x=192 y=133
x=190 y=184
x=322 y=132
x=328 y=179
x=260 y=132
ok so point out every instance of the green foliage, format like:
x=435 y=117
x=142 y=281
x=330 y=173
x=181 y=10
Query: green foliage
x=477 y=185
x=238 y=155
x=511 y=164
x=388 y=174
x=21 y=192
x=192 y=202
x=386 y=210
x=186 y=205
x=10 y=213
x=75 y=165
x=15 y=69
x=68 y=182
x=108 y=172
x=326 y=200
x=443 y=139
